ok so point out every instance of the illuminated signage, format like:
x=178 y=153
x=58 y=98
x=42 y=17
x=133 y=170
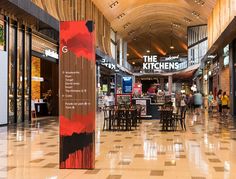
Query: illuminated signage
x=51 y=53
x=127 y=85
x=108 y=64
x=172 y=63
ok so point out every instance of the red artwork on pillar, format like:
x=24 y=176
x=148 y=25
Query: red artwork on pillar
x=77 y=94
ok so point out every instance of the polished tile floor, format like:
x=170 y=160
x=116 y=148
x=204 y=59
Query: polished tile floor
x=206 y=150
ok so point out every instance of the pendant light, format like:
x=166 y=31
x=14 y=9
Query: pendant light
x=149 y=50
x=171 y=39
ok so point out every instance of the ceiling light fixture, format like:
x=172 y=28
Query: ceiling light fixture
x=176 y=25
x=121 y=16
x=187 y=20
x=113 y=4
x=127 y=54
x=199 y=2
x=196 y=14
x=171 y=38
x=126 y=25
x=133 y=63
x=150 y=43
x=131 y=32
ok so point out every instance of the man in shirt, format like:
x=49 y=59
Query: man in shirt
x=197 y=102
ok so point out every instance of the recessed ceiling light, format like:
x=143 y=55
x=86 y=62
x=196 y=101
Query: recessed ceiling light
x=148 y=51
x=133 y=63
x=172 y=47
x=127 y=54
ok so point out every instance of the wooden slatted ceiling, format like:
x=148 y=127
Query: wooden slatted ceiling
x=160 y=14
x=78 y=10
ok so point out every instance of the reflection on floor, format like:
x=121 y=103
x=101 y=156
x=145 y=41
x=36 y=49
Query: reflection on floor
x=206 y=150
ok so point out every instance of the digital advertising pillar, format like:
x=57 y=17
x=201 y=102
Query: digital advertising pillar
x=77 y=95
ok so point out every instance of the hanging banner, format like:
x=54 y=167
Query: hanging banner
x=77 y=95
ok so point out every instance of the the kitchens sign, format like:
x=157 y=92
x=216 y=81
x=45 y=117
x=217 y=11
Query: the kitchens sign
x=166 y=64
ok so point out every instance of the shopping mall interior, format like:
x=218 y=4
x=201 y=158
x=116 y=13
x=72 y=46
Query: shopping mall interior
x=117 y=89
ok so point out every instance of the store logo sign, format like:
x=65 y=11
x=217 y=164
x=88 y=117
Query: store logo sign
x=108 y=64
x=151 y=63
x=64 y=49
x=51 y=53
x=171 y=63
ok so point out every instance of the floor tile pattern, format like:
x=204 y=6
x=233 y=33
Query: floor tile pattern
x=206 y=150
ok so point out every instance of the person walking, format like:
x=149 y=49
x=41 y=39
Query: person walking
x=225 y=104
x=210 y=101
x=197 y=102
x=190 y=102
x=177 y=101
x=219 y=102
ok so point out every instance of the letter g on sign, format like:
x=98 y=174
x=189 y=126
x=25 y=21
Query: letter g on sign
x=64 y=49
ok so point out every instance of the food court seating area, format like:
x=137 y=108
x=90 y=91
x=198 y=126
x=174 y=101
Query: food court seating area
x=122 y=117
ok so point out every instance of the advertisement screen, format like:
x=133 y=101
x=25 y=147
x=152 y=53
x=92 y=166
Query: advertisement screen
x=127 y=84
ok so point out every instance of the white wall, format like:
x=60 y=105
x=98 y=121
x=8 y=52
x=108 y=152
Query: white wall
x=3 y=87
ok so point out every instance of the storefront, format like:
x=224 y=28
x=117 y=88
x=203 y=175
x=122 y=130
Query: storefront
x=3 y=73
x=106 y=78
x=44 y=75
x=23 y=52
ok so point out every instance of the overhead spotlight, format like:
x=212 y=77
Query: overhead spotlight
x=131 y=32
x=196 y=14
x=121 y=16
x=127 y=54
x=199 y=2
x=112 y=5
x=126 y=25
x=148 y=51
x=187 y=20
x=176 y=25
x=172 y=47
x=133 y=63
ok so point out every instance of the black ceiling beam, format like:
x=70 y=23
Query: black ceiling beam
x=27 y=10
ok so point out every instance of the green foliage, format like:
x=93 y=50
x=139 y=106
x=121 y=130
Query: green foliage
x=1 y=35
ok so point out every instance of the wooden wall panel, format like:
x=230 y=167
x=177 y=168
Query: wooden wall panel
x=223 y=13
x=79 y=10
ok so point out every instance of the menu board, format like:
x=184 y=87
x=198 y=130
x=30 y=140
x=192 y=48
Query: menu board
x=77 y=94
x=127 y=84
